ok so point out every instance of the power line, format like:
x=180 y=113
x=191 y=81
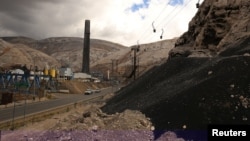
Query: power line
x=148 y=32
x=169 y=14
x=149 y=35
x=178 y=12
x=149 y=27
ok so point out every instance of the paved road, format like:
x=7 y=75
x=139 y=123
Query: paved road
x=64 y=99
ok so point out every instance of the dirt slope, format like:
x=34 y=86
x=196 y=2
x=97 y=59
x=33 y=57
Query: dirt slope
x=190 y=91
x=77 y=87
x=88 y=122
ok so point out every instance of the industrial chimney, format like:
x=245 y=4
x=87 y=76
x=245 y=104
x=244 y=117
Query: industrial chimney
x=86 y=48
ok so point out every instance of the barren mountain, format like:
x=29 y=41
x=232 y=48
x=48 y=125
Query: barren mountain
x=68 y=52
x=12 y=54
x=148 y=56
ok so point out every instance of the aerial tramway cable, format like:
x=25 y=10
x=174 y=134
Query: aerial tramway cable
x=144 y=33
x=177 y=13
x=154 y=27
x=145 y=36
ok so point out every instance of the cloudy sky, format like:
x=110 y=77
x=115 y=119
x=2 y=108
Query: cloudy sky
x=127 y=22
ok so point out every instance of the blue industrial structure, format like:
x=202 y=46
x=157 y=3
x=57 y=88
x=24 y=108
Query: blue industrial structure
x=17 y=82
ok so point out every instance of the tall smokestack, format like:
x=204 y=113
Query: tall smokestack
x=86 y=48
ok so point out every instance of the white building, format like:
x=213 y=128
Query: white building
x=81 y=75
x=84 y=77
x=65 y=72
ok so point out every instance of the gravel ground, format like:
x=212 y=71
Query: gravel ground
x=93 y=135
x=89 y=123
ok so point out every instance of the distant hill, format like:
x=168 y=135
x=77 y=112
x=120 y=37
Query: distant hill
x=148 y=56
x=12 y=54
x=67 y=51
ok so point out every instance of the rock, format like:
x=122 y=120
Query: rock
x=86 y=114
x=216 y=25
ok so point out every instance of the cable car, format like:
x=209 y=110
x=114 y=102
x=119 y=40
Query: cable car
x=162 y=31
x=198 y=4
x=154 y=30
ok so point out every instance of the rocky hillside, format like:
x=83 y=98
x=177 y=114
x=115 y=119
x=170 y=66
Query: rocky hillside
x=216 y=25
x=12 y=54
x=148 y=56
x=206 y=79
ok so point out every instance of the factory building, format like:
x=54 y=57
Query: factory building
x=82 y=77
x=66 y=73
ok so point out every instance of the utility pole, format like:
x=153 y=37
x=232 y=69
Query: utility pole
x=34 y=83
x=138 y=64
x=24 y=111
x=114 y=67
x=135 y=49
x=13 y=114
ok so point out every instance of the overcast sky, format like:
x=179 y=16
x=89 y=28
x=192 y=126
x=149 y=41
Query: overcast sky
x=127 y=22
